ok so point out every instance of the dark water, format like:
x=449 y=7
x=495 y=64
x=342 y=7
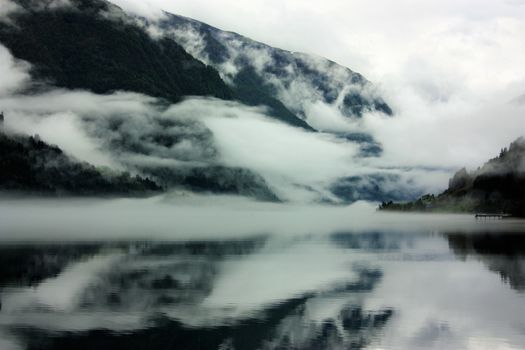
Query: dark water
x=350 y=286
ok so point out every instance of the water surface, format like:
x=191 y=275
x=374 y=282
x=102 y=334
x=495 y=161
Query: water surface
x=338 y=278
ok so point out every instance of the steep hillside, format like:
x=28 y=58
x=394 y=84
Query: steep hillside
x=497 y=186
x=30 y=166
x=295 y=79
x=294 y=86
x=93 y=45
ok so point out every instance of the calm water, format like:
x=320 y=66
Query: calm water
x=395 y=282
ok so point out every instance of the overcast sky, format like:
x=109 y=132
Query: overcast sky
x=375 y=37
x=452 y=71
x=450 y=68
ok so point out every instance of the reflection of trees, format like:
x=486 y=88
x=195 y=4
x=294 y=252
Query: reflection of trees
x=372 y=241
x=159 y=279
x=503 y=253
x=26 y=264
x=351 y=328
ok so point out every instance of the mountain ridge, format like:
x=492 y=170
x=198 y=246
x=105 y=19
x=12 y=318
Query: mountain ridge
x=31 y=166
x=93 y=45
x=216 y=49
x=498 y=186
x=81 y=47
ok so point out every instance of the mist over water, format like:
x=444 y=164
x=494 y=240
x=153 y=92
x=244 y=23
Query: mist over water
x=195 y=271
x=185 y=216
x=214 y=272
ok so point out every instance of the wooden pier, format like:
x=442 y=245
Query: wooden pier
x=492 y=216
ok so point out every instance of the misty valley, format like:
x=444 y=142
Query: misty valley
x=262 y=175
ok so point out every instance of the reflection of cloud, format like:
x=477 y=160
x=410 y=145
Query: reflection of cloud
x=264 y=277
x=122 y=291
x=315 y=291
x=9 y=342
x=515 y=2
x=61 y=293
x=443 y=302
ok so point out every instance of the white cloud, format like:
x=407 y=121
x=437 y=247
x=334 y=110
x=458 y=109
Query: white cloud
x=7 y=8
x=449 y=73
x=284 y=155
x=57 y=117
x=65 y=130
x=144 y=8
x=447 y=67
x=14 y=73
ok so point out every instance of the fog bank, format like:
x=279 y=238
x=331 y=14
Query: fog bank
x=183 y=216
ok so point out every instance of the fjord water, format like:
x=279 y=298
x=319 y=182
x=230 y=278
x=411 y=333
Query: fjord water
x=223 y=273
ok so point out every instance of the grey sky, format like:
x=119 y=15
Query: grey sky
x=451 y=70
x=356 y=33
x=448 y=67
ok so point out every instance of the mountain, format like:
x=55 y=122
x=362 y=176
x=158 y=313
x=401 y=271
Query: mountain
x=290 y=84
x=373 y=187
x=496 y=187
x=258 y=72
x=215 y=179
x=30 y=165
x=92 y=45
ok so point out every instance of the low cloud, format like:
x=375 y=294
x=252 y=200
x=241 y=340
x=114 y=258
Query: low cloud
x=285 y=156
x=14 y=73
x=66 y=131
x=298 y=80
x=447 y=68
x=7 y=8
x=139 y=133
x=141 y=8
x=450 y=134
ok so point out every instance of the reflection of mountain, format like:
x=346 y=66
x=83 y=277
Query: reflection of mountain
x=167 y=286
x=371 y=241
x=501 y=253
x=28 y=265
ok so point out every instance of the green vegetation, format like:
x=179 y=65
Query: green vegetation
x=255 y=84
x=92 y=45
x=251 y=89
x=30 y=166
x=439 y=203
x=497 y=187
x=214 y=179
